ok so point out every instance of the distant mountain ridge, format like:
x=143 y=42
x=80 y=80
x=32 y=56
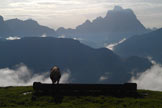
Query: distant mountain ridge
x=86 y=65
x=4 y=30
x=116 y=20
x=146 y=45
x=118 y=23
x=26 y=28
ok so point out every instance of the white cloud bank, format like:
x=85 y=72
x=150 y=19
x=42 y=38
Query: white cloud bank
x=22 y=76
x=151 y=79
x=13 y=38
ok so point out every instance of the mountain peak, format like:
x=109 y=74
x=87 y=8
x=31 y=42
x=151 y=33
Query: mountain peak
x=31 y=21
x=119 y=23
x=118 y=8
x=122 y=15
x=87 y=22
x=1 y=19
x=84 y=25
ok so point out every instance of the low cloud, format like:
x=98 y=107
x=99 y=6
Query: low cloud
x=13 y=38
x=62 y=36
x=111 y=46
x=66 y=76
x=104 y=77
x=78 y=39
x=151 y=79
x=21 y=75
x=44 y=35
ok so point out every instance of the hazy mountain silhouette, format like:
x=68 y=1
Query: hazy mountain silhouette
x=4 y=30
x=86 y=64
x=26 y=28
x=118 y=23
x=146 y=45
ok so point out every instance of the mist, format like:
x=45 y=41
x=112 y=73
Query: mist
x=13 y=38
x=151 y=79
x=21 y=75
x=104 y=77
x=111 y=46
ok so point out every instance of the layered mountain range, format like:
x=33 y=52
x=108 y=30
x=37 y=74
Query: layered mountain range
x=86 y=64
x=26 y=28
x=118 y=23
x=146 y=45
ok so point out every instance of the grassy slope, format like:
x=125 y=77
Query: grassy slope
x=14 y=97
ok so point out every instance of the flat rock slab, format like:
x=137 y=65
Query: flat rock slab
x=127 y=89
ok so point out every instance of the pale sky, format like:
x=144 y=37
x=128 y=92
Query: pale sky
x=70 y=13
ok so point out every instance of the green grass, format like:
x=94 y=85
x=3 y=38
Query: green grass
x=13 y=97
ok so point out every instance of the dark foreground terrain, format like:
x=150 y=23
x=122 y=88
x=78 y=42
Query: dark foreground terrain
x=21 y=97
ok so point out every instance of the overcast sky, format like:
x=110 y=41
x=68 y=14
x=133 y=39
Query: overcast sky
x=70 y=13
